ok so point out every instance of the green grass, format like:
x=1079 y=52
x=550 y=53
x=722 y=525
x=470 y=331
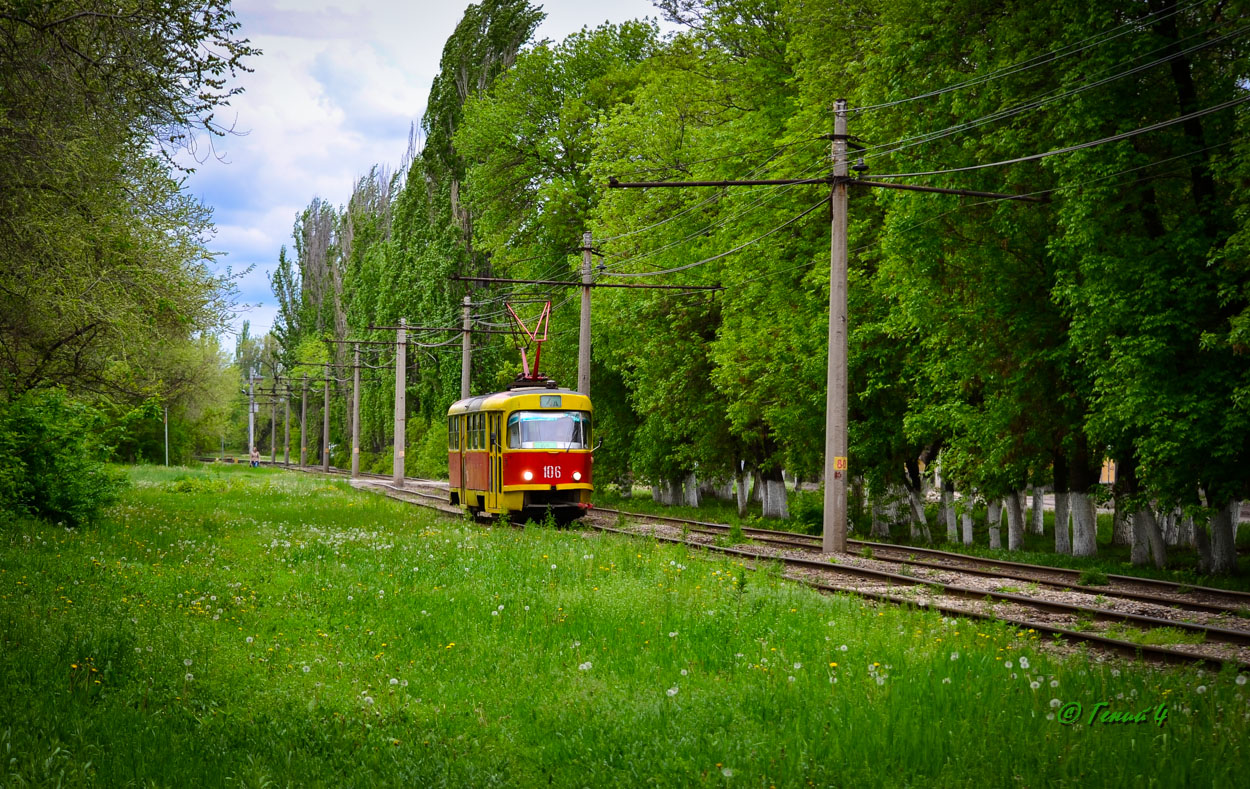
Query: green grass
x=237 y=626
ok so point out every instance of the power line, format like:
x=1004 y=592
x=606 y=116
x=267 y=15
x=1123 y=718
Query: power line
x=921 y=139
x=788 y=222
x=1071 y=148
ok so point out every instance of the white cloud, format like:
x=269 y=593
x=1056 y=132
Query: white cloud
x=334 y=93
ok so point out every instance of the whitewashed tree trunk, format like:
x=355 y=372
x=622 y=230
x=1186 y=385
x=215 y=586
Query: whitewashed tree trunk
x=775 y=503
x=1063 y=537
x=1123 y=524
x=757 y=487
x=1223 y=549
x=1084 y=524
x=1037 y=515
x=1015 y=520
x=880 y=526
x=1187 y=533
x=1170 y=525
x=740 y=483
x=692 y=497
x=1147 y=538
x=948 y=513
x=965 y=518
x=918 y=520
x=626 y=485
x=994 y=520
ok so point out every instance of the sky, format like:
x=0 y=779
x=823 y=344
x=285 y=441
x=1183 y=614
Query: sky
x=334 y=93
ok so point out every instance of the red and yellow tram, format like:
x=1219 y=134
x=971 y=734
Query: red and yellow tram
x=525 y=451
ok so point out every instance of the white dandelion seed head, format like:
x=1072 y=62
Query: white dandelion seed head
x=1050 y=716
x=368 y=700
x=307 y=669
x=880 y=680
x=1024 y=662
x=672 y=691
x=494 y=613
x=798 y=666
x=249 y=639
x=189 y=677
x=683 y=672
x=587 y=666
x=394 y=680
x=1035 y=684
x=843 y=647
x=553 y=567
x=954 y=656
x=187 y=662
x=946 y=681
x=673 y=634
x=1241 y=679
x=727 y=772
x=1200 y=689
x=1054 y=683
x=790 y=678
x=1055 y=702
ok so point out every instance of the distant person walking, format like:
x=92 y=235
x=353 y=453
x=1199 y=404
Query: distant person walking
x=255 y=458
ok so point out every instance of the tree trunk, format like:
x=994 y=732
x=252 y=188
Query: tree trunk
x=775 y=504
x=948 y=512
x=1063 y=538
x=966 y=520
x=1123 y=524
x=1084 y=524
x=757 y=487
x=1147 y=538
x=1186 y=532
x=1037 y=516
x=1015 y=520
x=1169 y=524
x=625 y=483
x=994 y=520
x=880 y=526
x=692 y=493
x=918 y=518
x=1223 y=548
x=740 y=483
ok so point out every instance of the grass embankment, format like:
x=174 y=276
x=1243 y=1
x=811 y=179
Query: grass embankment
x=239 y=626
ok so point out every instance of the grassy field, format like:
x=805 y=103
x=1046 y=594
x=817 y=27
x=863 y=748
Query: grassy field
x=241 y=627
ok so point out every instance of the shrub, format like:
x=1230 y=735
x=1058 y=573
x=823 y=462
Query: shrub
x=52 y=456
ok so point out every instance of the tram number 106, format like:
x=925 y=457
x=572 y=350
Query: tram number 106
x=551 y=472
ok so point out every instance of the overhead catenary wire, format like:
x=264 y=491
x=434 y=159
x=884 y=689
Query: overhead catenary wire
x=1070 y=148
x=823 y=201
x=886 y=149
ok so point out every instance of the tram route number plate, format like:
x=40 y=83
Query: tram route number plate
x=551 y=472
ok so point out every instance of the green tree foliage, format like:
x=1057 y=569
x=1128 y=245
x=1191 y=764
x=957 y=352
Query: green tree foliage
x=51 y=458
x=1023 y=341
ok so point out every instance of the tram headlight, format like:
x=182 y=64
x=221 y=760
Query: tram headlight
x=527 y=475
x=577 y=476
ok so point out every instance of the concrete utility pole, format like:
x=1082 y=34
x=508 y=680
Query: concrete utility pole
x=166 y=435
x=303 y=425
x=286 y=427
x=273 y=428
x=401 y=385
x=583 y=337
x=466 y=346
x=251 y=412
x=836 y=412
x=356 y=411
x=325 y=425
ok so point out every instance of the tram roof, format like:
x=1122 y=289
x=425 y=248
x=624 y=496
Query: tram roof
x=499 y=400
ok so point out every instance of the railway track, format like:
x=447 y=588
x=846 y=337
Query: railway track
x=1142 y=590
x=1211 y=625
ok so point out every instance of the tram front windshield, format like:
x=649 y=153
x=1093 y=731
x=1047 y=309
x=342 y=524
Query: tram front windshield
x=549 y=430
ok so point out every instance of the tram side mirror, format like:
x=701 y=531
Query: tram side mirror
x=596 y=447
x=494 y=438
